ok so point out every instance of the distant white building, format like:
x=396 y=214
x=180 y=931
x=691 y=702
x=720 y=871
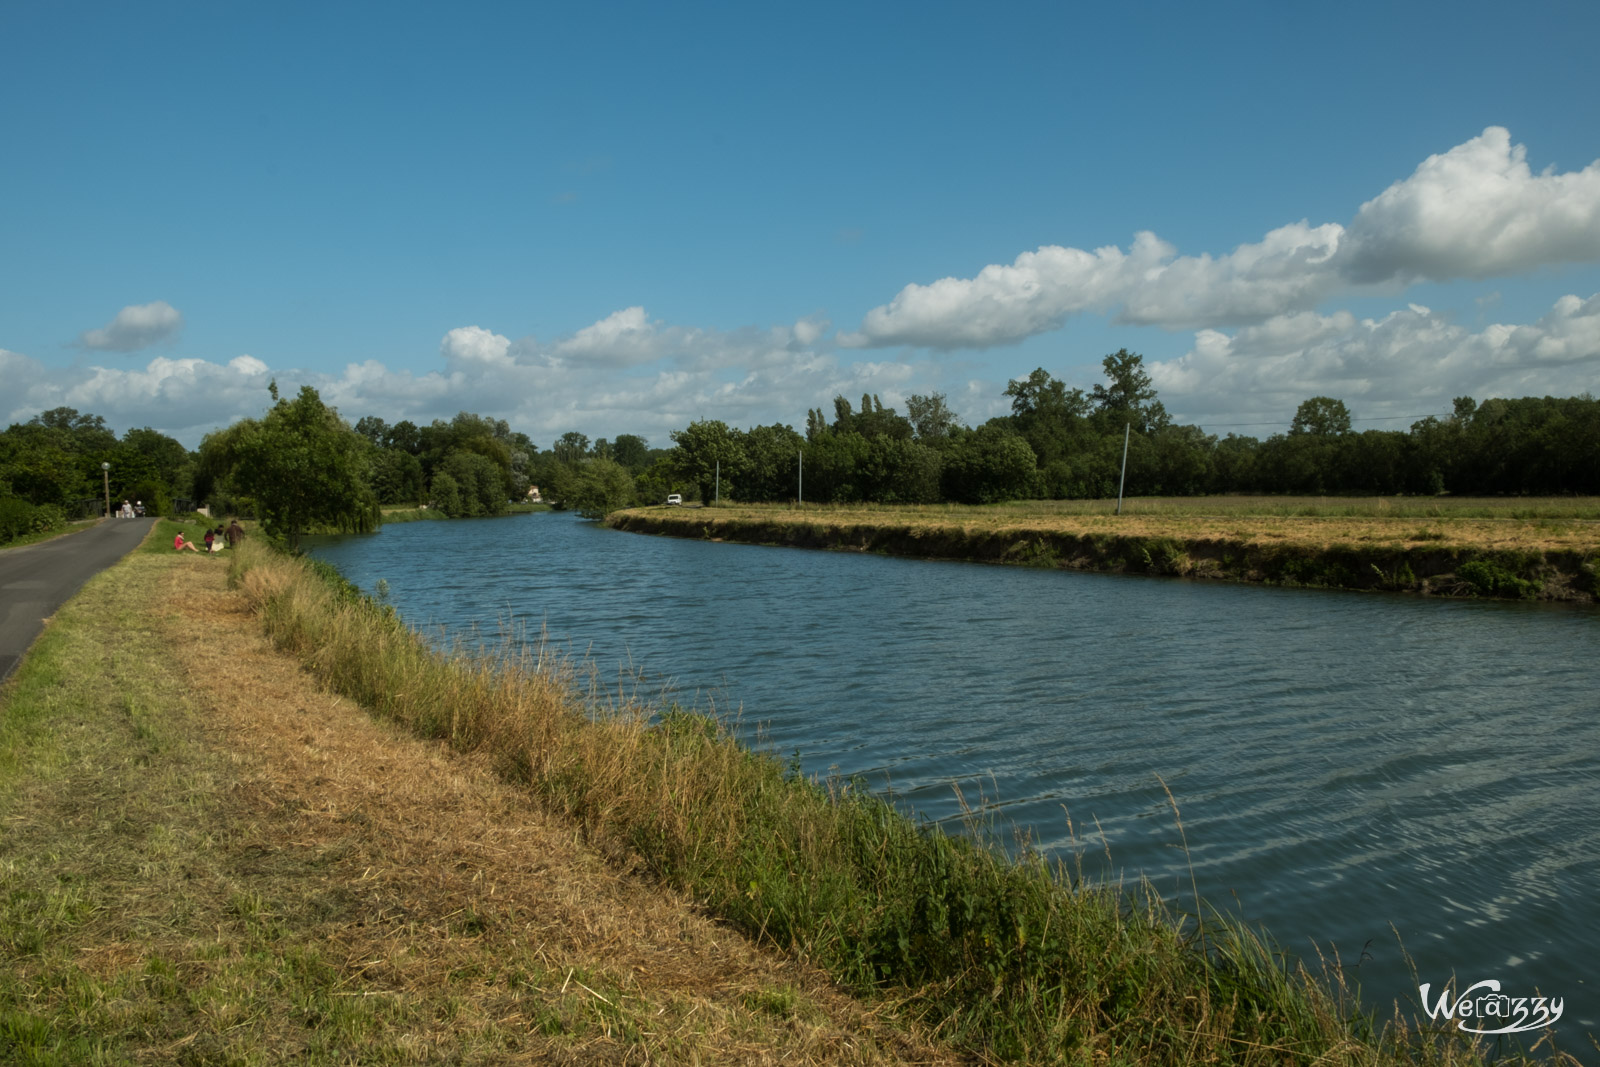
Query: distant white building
x=533 y=495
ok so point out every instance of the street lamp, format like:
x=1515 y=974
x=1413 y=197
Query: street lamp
x=105 y=473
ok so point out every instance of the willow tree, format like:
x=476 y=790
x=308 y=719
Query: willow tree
x=302 y=466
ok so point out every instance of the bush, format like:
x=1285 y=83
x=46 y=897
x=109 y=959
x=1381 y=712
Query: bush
x=600 y=487
x=47 y=517
x=16 y=518
x=1491 y=579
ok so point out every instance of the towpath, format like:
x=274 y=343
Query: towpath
x=35 y=580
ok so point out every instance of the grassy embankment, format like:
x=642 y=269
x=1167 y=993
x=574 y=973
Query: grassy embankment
x=204 y=858
x=1525 y=548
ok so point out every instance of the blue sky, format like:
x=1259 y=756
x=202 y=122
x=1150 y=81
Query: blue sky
x=624 y=217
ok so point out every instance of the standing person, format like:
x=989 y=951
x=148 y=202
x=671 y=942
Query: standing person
x=235 y=534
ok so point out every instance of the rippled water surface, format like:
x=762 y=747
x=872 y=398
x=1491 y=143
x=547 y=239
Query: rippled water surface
x=1342 y=762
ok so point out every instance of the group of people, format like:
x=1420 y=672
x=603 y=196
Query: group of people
x=214 y=539
x=130 y=511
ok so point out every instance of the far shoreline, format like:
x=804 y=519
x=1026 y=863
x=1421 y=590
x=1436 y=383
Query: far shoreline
x=1514 y=549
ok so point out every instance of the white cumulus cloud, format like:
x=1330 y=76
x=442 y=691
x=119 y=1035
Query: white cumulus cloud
x=1476 y=211
x=135 y=326
x=624 y=338
x=28 y=388
x=1291 y=268
x=473 y=344
x=1007 y=303
x=1410 y=361
x=173 y=395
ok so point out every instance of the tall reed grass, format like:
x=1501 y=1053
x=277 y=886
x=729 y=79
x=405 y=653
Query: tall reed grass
x=1015 y=959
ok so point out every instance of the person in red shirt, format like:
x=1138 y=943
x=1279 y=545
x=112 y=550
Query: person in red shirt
x=179 y=544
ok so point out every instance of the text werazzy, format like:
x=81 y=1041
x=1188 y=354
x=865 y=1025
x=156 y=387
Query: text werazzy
x=1483 y=1003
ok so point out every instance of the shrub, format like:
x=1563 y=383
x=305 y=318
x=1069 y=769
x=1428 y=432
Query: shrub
x=47 y=517
x=16 y=518
x=1491 y=579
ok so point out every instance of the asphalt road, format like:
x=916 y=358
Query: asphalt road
x=35 y=580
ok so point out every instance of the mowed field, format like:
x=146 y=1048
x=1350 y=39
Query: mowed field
x=1544 y=524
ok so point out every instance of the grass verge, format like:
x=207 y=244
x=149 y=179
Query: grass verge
x=205 y=859
x=1011 y=960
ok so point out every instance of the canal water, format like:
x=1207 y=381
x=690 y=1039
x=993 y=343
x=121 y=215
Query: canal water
x=1347 y=767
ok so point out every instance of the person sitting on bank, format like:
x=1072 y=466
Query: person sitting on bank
x=215 y=539
x=179 y=544
x=210 y=538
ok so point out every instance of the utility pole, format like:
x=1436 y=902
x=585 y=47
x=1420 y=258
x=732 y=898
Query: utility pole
x=802 y=488
x=105 y=473
x=718 y=498
x=1125 y=428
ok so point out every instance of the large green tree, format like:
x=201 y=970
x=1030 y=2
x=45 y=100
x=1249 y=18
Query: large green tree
x=632 y=451
x=1049 y=416
x=704 y=449
x=39 y=465
x=1130 y=396
x=988 y=465
x=771 y=463
x=303 y=467
x=931 y=418
x=480 y=482
x=1322 y=416
x=600 y=487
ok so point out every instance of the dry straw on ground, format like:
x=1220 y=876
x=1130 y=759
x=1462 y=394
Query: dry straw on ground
x=441 y=914
x=1545 y=525
x=442 y=868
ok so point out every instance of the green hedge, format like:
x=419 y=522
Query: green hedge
x=18 y=518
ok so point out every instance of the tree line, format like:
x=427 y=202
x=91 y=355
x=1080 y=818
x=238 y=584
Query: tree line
x=301 y=466
x=1065 y=443
x=51 y=470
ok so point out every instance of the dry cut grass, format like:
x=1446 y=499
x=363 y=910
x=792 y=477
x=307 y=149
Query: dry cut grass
x=1535 y=524
x=206 y=858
